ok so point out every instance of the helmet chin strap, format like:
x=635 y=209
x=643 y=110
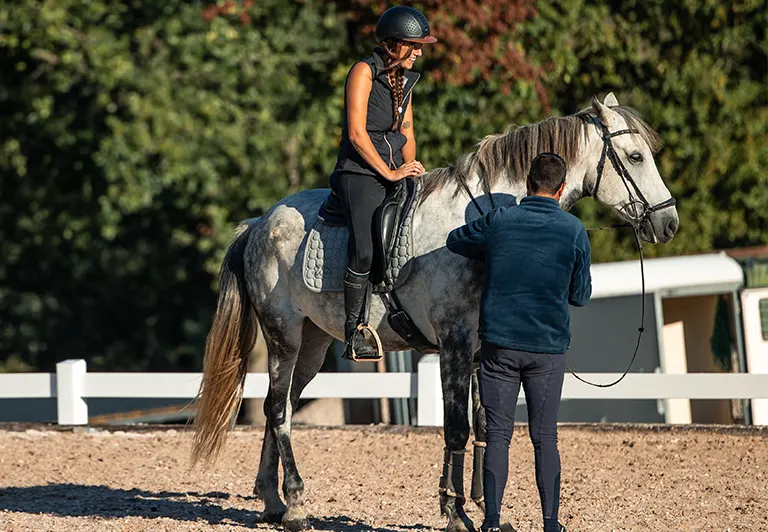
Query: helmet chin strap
x=395 y=60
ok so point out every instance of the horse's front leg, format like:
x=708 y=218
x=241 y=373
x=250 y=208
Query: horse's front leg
x=455 y=371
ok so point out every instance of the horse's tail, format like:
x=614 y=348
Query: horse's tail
x=228 y=347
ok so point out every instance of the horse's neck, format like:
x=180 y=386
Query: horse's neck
x=444 y=210
x=582 y=171
x=509 y=192
x=579 y=170
x=504 y=191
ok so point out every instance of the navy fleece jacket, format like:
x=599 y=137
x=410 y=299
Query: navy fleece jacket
x=537 y=260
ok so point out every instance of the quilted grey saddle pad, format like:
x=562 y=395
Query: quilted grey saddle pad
x=325 y=255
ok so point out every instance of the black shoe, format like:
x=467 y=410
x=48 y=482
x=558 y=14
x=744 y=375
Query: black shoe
x=355 y=287
x=560 y=527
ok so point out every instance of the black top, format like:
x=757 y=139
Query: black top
x=380 y=119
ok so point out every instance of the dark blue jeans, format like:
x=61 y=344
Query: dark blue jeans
x=501 y=372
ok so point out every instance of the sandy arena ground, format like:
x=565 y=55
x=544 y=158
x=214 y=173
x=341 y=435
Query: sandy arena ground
x=378 y=479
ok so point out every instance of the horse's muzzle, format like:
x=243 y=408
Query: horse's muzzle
x=660 y=227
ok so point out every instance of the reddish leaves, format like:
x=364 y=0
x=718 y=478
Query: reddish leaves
x=474 y=39
x=229 y=8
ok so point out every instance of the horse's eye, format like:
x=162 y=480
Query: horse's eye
x=636 y=158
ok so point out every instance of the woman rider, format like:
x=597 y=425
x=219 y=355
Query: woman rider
x=377 y=147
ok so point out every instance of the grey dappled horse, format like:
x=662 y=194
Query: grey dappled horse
x=261 y=279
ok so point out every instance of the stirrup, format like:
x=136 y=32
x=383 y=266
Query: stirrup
x=366 y=358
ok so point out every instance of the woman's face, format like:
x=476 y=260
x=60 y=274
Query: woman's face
x=409 y=51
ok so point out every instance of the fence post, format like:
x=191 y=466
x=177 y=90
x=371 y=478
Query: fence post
x=71 y=408
x=430 y=392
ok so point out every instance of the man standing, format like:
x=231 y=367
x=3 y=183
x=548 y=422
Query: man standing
x=536 y=260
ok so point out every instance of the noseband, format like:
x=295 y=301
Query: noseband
x=636 y=198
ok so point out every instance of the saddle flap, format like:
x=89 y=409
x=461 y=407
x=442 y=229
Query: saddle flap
x=325 y=250
x=386 y=220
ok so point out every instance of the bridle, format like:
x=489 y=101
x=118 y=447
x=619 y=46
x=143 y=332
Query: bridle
x=636 y=198
x=636 y=221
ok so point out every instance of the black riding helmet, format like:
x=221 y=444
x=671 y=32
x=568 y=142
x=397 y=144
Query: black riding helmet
x=403 y=23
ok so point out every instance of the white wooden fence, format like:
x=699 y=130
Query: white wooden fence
x=72 y=384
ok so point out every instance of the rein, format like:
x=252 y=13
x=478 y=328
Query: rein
x=638 y=198
x=641 y=329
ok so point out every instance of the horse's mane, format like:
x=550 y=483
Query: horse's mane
x=509 y=155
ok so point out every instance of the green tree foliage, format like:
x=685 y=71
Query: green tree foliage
x=135 y=134
x=135 y=138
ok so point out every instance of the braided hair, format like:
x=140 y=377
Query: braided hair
x=395 y=74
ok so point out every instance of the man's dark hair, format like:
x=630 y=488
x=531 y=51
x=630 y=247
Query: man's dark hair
x=547 y=173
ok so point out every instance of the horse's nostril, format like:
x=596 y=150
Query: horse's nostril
x=671 y=228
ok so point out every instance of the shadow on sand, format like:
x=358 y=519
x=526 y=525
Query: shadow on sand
x=76 y=500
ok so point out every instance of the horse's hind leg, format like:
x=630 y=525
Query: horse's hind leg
x=455 y=370
x=478 y=452
x=314 y=344
x=283 y=338
x=295 y=357
x=265 y=486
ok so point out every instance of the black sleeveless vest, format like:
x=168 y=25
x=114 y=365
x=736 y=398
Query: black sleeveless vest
x=381 y=117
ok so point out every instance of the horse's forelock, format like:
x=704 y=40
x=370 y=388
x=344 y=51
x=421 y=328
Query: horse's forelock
x=635 y=121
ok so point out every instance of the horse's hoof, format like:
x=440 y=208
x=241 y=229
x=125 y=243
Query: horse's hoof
x=507 y=527
x=296 y=519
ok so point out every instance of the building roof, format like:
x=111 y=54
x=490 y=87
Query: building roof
x=690 y=275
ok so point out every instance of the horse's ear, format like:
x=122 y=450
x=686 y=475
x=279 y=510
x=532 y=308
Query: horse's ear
x=602 y=111
x=610 y=100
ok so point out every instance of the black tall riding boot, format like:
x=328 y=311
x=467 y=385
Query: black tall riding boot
x=355 y=287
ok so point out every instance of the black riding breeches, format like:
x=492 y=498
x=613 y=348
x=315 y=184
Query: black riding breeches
x=501 y=372
x=360 y=196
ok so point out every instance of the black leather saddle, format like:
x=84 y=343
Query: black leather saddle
x=387 y=219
